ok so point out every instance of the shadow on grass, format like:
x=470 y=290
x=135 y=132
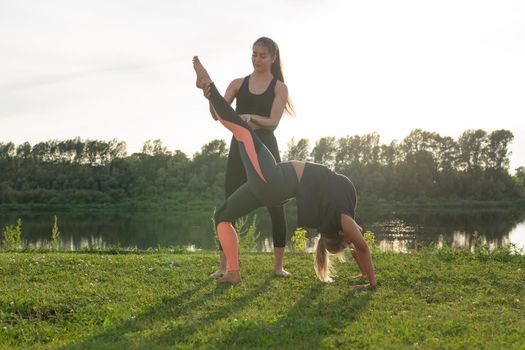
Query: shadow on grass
x=184 y=315
x=311 y=322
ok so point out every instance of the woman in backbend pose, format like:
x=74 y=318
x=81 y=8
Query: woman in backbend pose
x=263 y=97
x=325 y=200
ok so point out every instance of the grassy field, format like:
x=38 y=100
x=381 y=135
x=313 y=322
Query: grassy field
x=434 y=299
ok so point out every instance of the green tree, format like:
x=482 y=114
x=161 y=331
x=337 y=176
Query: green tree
x=324 y=151
x=24 y=150
x=7 y=150
x=497 y=153
x=389 y=154
x=159 y=149
x=297 y=151
x=348 y=153
x=446 y=153
x=472 y=144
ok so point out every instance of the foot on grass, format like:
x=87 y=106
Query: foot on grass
x=358 y=277
x=363 y=287
x=282 y=273
x=232 y=277
x=203 y=78
x=217 y=274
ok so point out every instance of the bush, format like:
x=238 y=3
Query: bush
x=446 y=253
x=54 y=235
x=481 y=248
x=12 y=235
x=299 y=240
x=370 y=239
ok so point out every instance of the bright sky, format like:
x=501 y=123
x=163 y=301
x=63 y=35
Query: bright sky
x=104 y=69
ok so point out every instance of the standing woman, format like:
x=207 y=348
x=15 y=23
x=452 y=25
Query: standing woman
x=261 y=98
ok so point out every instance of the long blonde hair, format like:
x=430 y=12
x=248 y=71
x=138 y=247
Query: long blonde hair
x=324 y=247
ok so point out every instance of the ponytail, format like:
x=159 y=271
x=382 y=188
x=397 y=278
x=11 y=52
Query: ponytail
x=323 y=269
x=322 y=261
x=276 y=69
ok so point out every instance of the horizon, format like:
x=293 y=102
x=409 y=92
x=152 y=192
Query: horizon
x=282 y=150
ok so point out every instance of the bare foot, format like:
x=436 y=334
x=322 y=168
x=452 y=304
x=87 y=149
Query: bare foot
x=358 y=277
x=203 y=78
x=232 y=277
x=282 y=273
x=217 y=274
x=364 y=287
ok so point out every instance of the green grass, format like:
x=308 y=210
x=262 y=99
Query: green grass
x=434 y=299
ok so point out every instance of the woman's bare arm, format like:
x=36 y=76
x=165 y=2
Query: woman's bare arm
x=279 y=103
x=351 y=230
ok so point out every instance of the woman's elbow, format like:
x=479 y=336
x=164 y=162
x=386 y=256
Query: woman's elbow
x=274 y=126
x=270 y=127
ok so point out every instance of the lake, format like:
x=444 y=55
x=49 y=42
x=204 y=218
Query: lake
x=395 y=230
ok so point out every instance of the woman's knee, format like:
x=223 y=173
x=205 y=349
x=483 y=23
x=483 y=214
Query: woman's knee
x=279 y=226
x=219 y=216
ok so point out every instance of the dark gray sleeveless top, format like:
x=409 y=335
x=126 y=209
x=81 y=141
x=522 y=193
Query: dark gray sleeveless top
x=248 y=103
x=322 y=196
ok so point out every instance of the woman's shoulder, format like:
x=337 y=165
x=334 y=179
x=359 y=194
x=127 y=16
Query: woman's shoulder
x=237 y=82
x=279 y=82
x=233 y=88
x=280 y=88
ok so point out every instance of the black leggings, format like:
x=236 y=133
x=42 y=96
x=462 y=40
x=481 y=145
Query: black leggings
x=268 y=183
x=236 y=177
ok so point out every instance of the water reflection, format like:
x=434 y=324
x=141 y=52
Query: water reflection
x=517 y=236
x=395 y=231
x=395 y=245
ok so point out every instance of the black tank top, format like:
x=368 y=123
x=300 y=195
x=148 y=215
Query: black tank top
x=248 y=103
x=322 y=195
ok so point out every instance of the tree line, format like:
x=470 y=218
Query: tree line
x=423 y=165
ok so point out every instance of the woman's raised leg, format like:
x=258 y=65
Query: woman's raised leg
x=256 y=157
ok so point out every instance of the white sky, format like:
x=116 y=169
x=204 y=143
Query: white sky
x=102 y=69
